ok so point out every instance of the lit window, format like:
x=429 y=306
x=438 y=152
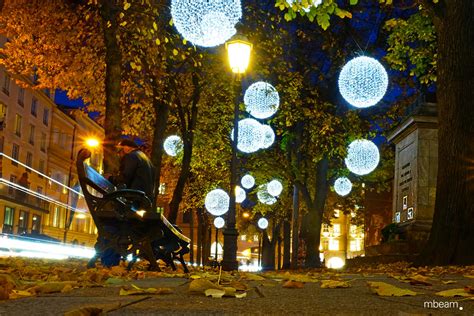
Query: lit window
x=162 y=188
x=336 y=229
x=334 y=244
x=353 y=229
x=410 y=213
x=405 y=202
x=255 y=237
x=243 y=237
x=397 y=217
x=355 y=245
x=336 y=213
x=18 y=125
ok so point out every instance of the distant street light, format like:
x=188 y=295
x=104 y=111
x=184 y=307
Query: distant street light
x=92 y=142
x=262 y=224
x=238 y=50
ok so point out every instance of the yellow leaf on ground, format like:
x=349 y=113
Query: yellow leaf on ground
x=252 y=277
x=215 y=293
x=50 y=287
x=385 y=289
x=418 y=279
x=139 y=291
x=454 y=293
x=241 y=295
x=448 y=282
x=334 y=284
x=469 y=276
x=290 y=284
x=19 y=294
x=201 y=285
x=229 y=291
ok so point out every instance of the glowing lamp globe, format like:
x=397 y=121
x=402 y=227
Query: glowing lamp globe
x=217 y=202
x=265 y=197
x=240 y=194
x=362 y=157
x=363 y=82
x=343 y=186
x=261 y=100
x=219 y=222
x=250 y=137
x=274 y=187
x=268 y=136
x=262 y=223
x=206 y=23
x=173 y=145
x=247 y=181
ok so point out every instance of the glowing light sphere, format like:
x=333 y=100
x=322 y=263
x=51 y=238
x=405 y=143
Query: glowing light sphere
x=268 y=136
x=265 y=197
x=173 y=145
x=274 y=187
x=261 y=100
x=247 y=181
x=262 y=223
x=217 y=202
x=362 y=157
x=343 y=186
x=250 y=138
x=240 y=194
x=219 y=222
x=363 y=82
x=206 y=23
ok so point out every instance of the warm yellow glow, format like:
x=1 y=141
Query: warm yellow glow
x=246 y=215
x=238 y=51
x=80 y=215
x=247 y=253
x=141 y=213
x=92 y=142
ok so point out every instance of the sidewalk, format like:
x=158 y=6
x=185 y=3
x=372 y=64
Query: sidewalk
x=265 y=297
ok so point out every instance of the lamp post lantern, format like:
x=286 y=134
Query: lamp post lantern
x=238 y=51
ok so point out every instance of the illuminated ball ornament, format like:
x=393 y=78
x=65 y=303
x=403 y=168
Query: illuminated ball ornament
x=343 y=186
x=261 y=100
x=265 y=197
x=217 y=202
x=363 y=82
x=274 y=187
x=268 y=136
x=250 y=138
x=362 y=157
x=219 y=222
x=262 y=223
x=206 y=23
x=247 y=181
x=173 y=145
x=240 y=194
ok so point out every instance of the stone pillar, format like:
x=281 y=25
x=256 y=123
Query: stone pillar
x=416 y=163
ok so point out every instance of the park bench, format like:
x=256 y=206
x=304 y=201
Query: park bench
x=126 y=222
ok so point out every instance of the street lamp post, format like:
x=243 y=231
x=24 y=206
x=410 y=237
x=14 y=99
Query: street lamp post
x=218 y=224
x=238 y=51
x=262 y=224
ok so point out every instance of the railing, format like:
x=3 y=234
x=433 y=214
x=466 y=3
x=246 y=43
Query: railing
x=20 y=197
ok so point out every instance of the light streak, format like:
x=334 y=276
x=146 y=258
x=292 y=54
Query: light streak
x=41 y=247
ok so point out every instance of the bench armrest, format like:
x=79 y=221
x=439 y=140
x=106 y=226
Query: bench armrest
x=128 y=195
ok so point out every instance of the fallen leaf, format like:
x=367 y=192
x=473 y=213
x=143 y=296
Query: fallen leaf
x=229 y=291
x=469 y=276
x=67 y=288
x=241 y=295
x=85 y=311
x=215 y=293
x=135 y=290
x=454 y=293
x=418 y=279
x=239 y=286
x=113 y=281
x=334 y=284
x=19 y=294
x=385 y=289
x=252 y=277
x=201 y=285
x=50 y=287
x=290 y=284
x=449 y=282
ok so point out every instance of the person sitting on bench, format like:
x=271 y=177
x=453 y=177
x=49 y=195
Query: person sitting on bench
x=136 y=169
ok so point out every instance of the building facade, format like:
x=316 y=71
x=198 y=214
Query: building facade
x=38 y=146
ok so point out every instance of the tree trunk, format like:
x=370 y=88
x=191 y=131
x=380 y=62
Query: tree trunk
x=199 y=235
x=315 y=214
x=452 y=235
x=295 y=228
x=113 y=75
x=268 y=252
x=188 y=139
x=286 y=244
x=161 y=115
x=191 y=233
